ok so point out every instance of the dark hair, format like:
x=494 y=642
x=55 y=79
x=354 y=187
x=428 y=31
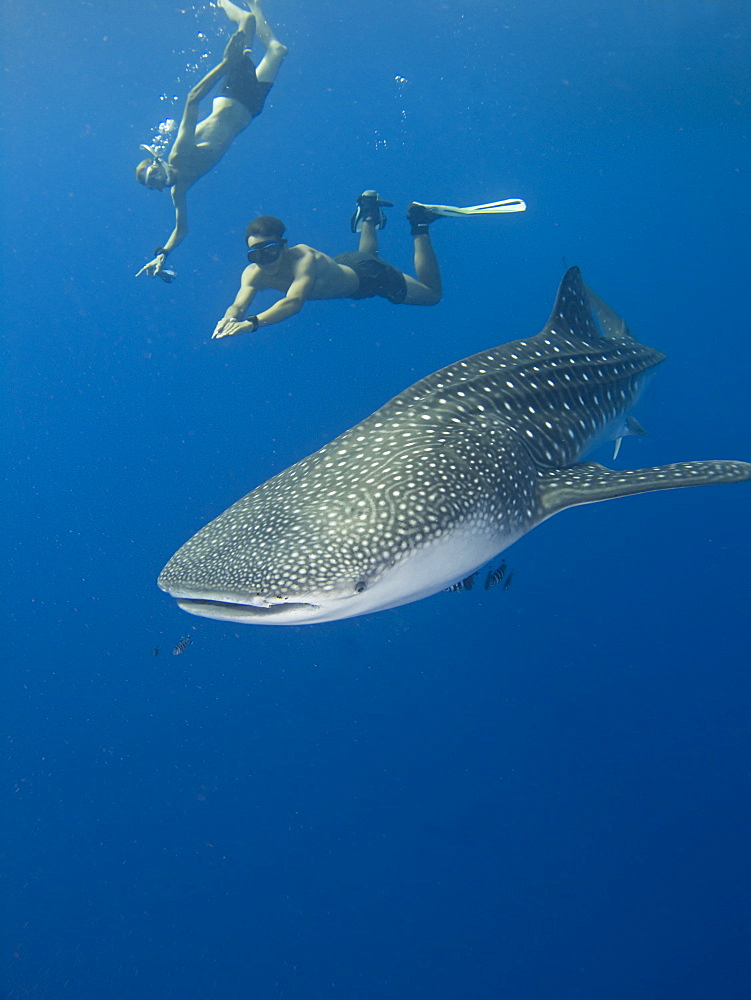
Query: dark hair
x=265 y=225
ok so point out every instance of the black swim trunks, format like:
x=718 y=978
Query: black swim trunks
x=376 y=277
x=241 y=84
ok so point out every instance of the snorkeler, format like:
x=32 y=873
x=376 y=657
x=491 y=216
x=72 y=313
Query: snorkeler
x=303 y=273
x=200 y=145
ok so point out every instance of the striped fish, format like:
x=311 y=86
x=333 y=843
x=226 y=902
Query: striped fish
x=182 y=645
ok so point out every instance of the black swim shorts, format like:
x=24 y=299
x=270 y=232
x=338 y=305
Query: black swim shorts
x=241 y=84
x=376 y=277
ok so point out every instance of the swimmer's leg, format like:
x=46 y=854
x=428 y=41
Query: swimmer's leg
x=242 y=18
x=368 y=219
x=427 y=289
x=368 y=237
x=275 y=51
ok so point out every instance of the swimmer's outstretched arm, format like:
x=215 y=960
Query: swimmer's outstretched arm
x=297 y=295
x=229 y=324
x=179 y=200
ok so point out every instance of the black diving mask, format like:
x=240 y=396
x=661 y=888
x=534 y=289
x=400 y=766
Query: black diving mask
x=266 y=253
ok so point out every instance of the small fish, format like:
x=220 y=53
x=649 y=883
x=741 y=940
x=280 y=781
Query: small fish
x=182 y=645
x=495 y=576
x=507 y=581
x=155 y=651
x=466 y=584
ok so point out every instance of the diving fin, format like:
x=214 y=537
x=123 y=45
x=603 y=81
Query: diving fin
x=492 y=208
x=369 y=210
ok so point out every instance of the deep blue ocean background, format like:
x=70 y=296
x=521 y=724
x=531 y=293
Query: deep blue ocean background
x=536 y=793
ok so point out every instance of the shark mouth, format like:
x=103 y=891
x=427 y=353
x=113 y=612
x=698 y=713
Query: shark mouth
x=232 y=611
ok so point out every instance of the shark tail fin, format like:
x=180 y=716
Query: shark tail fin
x=590 y=482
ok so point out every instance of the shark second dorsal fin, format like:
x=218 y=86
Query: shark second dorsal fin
x=591 y=483
x=613 y=327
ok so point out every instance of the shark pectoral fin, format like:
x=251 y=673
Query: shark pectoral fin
x=634 y=427
x=631 y=426
x=590 y=482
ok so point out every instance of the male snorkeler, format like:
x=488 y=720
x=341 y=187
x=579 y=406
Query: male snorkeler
x=200 y=145
x=303 y=273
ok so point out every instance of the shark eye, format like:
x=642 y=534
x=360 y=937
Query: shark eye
x=359 y=586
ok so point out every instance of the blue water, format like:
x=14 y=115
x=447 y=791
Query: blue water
x=536 y=793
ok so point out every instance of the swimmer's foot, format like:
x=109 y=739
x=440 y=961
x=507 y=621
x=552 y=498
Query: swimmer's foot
x=369 y=210
x=244 y=19
x=420 y=218
x=248 y=28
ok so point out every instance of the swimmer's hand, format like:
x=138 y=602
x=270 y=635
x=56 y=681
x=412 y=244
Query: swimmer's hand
x=229 y=327
x=154 y=267
x=233 y=53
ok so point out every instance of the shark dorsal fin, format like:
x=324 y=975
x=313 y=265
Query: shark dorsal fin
x=572 y=316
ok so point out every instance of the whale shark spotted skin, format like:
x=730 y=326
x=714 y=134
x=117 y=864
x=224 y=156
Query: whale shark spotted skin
x=438 y=481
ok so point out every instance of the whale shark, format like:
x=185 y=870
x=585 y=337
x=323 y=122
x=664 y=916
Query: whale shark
x=438 y=481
